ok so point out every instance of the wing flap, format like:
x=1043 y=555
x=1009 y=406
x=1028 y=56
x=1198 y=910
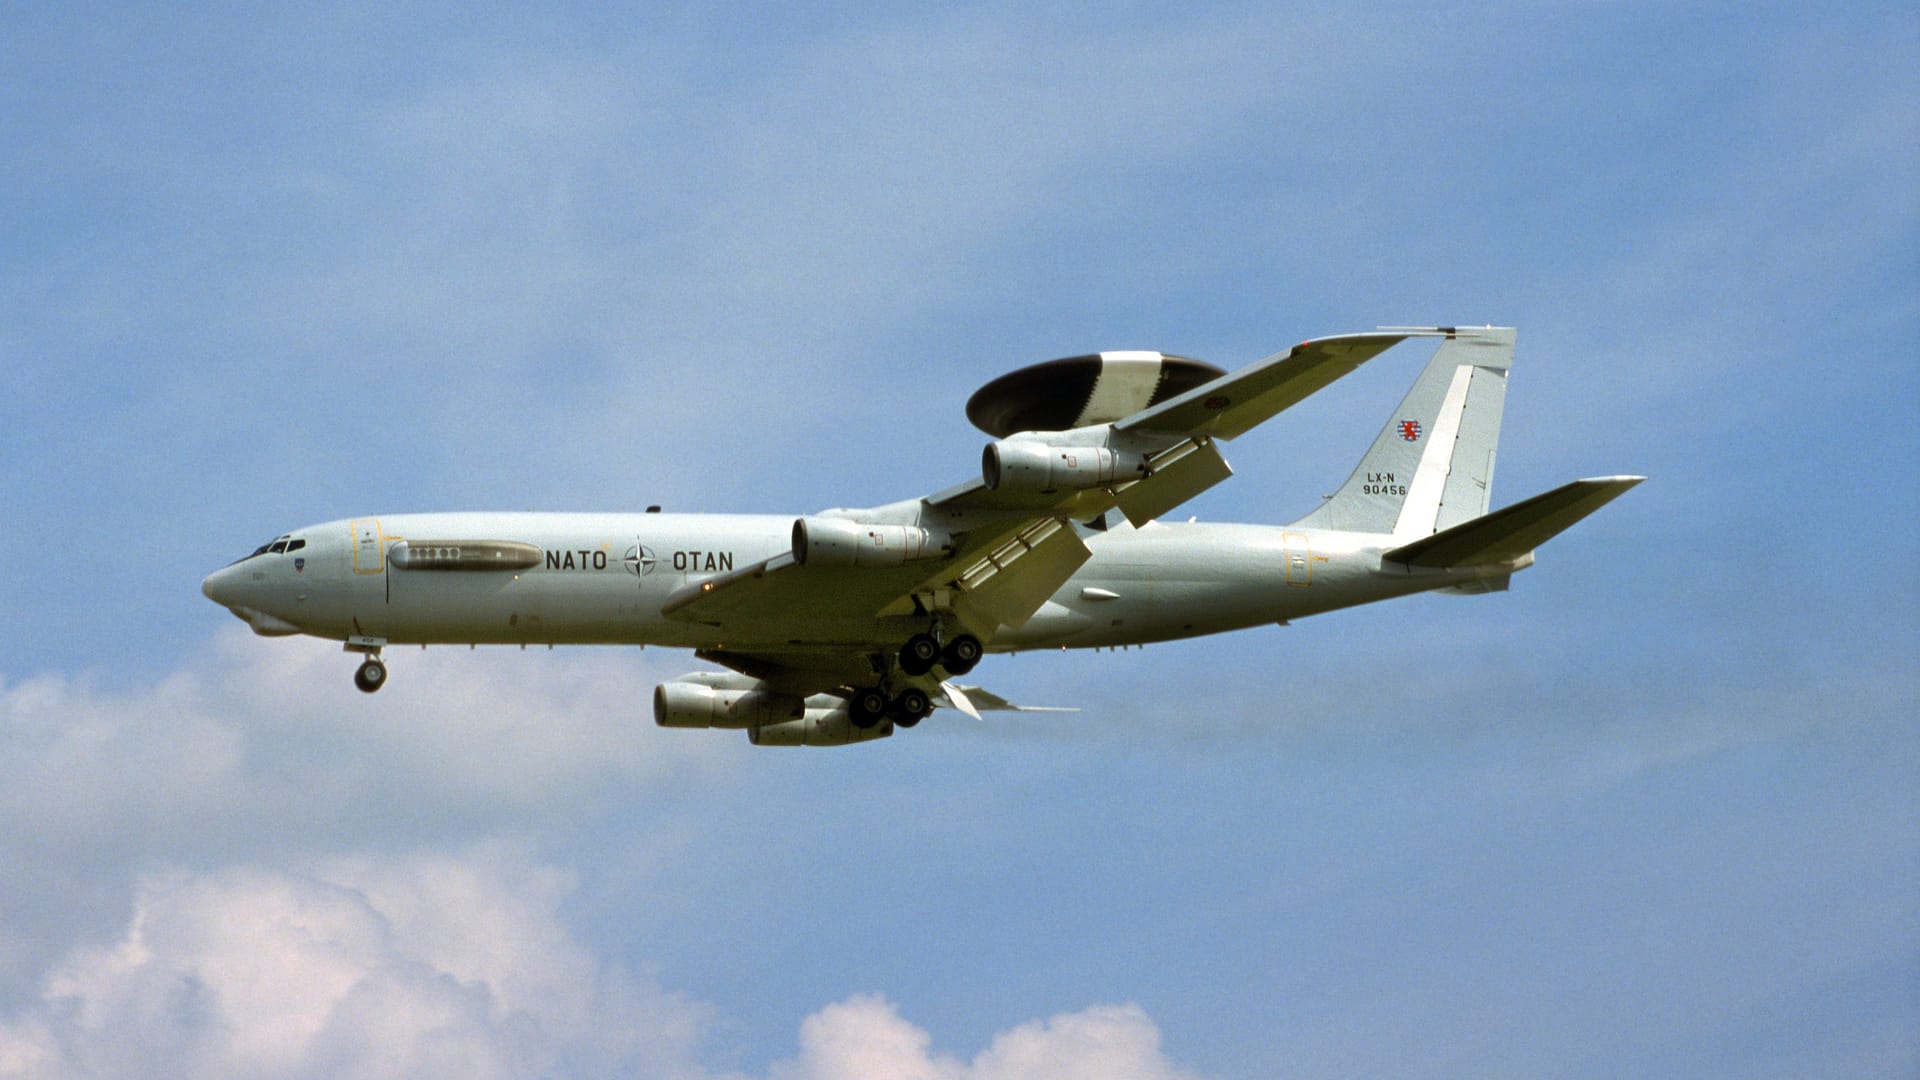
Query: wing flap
x=1513 y=531
x=1016 y=578
x=1178 y=475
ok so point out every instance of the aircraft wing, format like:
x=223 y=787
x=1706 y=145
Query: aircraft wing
x=1010 y=552
x=1240 y=400
x=1004 y=569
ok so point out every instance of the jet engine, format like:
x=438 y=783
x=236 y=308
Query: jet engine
x=1017 y=465
x=820 y=727
x=838 y=542
x=696 y=705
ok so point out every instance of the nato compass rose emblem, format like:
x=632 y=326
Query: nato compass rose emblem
x=640 y=560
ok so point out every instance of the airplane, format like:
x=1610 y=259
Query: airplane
x=842 y=626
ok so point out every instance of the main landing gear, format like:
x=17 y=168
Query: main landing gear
x=961 y=654
x=869 y=705
x=923 y=651
x=911 y=706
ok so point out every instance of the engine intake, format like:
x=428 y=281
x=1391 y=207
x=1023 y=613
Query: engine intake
x=694 y=705
x=1042 y=469
x=838 y=542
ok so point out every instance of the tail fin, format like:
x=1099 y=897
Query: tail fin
x=1432 y=466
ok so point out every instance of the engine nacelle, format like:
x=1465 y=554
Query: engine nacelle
x=839 y=542
x=820 y=727
x=694 y=705
x=1042 y=469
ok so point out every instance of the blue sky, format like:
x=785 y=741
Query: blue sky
x=1649 y=813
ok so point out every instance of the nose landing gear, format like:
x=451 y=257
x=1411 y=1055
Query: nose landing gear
x=372 y=674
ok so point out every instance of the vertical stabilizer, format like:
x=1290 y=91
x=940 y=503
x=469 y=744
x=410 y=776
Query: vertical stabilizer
x=1432 y=466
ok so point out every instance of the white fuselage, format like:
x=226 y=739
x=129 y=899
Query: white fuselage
x=603 y=578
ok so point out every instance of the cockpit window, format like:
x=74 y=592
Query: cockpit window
x=275 y=546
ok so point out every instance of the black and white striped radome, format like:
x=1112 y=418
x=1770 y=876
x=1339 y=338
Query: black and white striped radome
x=1080 y=390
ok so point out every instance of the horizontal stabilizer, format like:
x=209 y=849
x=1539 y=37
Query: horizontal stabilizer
x=1513 y=531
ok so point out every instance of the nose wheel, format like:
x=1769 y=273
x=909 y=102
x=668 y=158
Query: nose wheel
x=372 y=674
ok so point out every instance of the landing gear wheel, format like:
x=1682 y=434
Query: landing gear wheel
x=867 y=707
x=371 y=676
x=961 y=654
x=918 y=655
x=911 y=707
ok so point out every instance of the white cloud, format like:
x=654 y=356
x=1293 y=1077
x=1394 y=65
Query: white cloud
x=432 y=966
x=865 y=1038
x=419 y=954
x=262 y=750
x=446 y=965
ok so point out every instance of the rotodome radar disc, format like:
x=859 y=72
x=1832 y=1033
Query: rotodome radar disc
x=1059 y=395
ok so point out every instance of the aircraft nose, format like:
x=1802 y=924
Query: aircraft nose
x=218 y=587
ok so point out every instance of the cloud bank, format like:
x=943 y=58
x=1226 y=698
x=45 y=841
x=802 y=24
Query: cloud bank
x=450 y=965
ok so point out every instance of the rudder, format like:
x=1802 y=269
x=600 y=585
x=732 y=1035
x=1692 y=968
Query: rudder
x=1432 y=465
